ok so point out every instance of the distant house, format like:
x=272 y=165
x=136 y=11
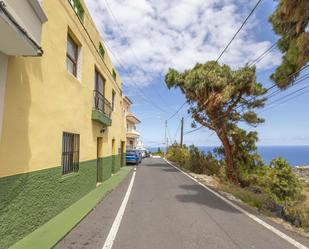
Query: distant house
x=131 y=121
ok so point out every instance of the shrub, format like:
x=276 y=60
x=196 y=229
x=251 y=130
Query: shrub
x=298 y=215
x=281 y=182
x=250 y=196
x=177 y=154
x=201 y=163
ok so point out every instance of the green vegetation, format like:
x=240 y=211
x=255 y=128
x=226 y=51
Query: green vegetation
x=178 y=154
x=55 y=229
x=158 y=152
x=101 y=50
x=220 y=98
x=290 y=21
x=78 y=8
x=215 y=92
x=114 y=74
x=194 y=160
x=32 y=199
x=273 y=189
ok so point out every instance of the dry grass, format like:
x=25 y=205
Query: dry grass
x=210 y=181
x=306 y=190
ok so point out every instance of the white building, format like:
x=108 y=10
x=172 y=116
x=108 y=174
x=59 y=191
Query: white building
x=130 y=121
x=20 y=35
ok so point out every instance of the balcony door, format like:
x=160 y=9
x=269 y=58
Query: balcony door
x=99 y=83
x=99 y=89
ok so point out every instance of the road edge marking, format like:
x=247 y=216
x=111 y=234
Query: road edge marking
x=253 y=217
x=116 y=224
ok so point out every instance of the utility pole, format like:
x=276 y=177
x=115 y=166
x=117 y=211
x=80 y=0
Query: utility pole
x=181 y=133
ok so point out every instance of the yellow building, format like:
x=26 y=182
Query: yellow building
x=62 y=119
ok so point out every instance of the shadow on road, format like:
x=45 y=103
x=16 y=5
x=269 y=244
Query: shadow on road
x=170 y=170
x=198 y=194
x=158 y=165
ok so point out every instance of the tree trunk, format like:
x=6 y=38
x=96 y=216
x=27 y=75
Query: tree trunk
x=229 y=158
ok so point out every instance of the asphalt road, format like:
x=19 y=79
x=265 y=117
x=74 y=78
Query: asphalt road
x=168 y=210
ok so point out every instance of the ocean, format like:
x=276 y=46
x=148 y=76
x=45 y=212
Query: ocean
x=295 y=155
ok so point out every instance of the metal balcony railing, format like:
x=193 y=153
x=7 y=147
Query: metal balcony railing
x=102 y=104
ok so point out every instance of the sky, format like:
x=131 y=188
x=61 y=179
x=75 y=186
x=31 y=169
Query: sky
x=147 y=37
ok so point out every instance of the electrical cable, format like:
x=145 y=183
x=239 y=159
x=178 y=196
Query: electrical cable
x=109 y=9
x=234 y=36
x=219 y=118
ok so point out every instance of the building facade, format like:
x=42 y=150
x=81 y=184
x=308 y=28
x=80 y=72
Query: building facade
x=61 y=115
x=130 y=123
x=21 y=27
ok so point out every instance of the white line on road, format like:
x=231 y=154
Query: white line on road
x=253 y=217
x=113 y=232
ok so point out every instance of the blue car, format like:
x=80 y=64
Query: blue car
x=133 y=156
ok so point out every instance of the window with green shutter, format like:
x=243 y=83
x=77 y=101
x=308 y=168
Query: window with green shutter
x=78 y=8
x=101 y=50
x=114 y=74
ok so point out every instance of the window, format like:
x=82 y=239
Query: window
x=114 y=74
x=101 y=50
x=99 y=82
x=100 y=102
x=70 y=153
x=78 y=8
x=72 y=56
x=113 y=100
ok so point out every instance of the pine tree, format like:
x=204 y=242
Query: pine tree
x=219 y=98
x=290 y=22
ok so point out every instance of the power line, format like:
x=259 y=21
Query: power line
x=234 y=36
x=109 y=9
x=179 y=109
x=264 y=54
x=240 y=28
x=286 y=97
x=169 y=135
x=259 y=58
x=148 y=100
x=278 y=91
x=194 y=130
x=299 y=90
x=178 y=128
x=274 y=85
x=283 y=102
x=222 y=116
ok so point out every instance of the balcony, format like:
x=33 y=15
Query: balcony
x=21 y=22
x=132 y=133
x=102 y=109
x=132 y=118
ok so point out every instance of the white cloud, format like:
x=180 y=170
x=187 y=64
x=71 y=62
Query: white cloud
x=176 y=33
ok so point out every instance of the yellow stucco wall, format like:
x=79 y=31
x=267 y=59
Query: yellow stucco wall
x=42 y=100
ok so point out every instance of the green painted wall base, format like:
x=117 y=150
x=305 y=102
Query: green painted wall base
x=27 y=201
x=54 y=230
